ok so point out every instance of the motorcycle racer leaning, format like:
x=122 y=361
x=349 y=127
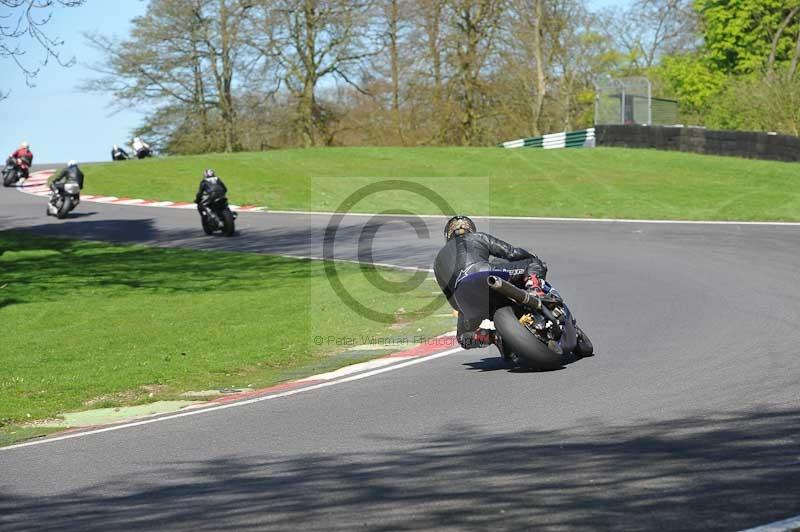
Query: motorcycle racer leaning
x=467 y=251
x=70 y=174
x=118 y=154
x=141 y=148
x=211 y=187
x=22 y=158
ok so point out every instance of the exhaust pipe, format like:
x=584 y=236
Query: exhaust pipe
x=506 y=289
x=523 y=297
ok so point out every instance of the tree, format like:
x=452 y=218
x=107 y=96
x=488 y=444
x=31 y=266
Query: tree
x=183 y=56
x=528 y=59
x=392 y=17
x=473 y=39
x=693 y=81
x=743 y=36
x=27 y=19
x=758 y=103
x=650 y=29
x=317 y=39
x=426 y=82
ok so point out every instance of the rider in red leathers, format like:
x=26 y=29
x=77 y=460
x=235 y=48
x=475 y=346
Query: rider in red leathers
x=22 y=158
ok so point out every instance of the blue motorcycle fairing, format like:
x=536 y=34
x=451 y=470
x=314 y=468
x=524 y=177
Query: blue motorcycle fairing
x=569 y=336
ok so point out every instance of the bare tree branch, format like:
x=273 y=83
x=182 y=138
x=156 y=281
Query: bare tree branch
x=27 y=20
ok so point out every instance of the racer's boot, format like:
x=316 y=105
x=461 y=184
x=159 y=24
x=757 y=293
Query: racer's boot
x=476 y=339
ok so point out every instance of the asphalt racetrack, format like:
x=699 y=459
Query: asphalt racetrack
x=688 y=418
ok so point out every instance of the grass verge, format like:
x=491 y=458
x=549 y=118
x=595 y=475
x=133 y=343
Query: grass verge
x=92 y=325
x=598 y=183
x=11 y=434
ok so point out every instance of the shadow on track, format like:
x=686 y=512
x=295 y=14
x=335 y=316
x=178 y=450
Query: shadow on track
x=33 y=263
x=256 y=233
x=140 y=229
x=80 y=215
x=711 y=472
x=498 y=364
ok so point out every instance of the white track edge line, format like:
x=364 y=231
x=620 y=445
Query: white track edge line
x=537 y=218
x=785 y=525
x=235 y=404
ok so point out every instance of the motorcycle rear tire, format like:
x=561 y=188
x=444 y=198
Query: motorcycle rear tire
x=530 y=351
x=228 y=225
x=66 y=206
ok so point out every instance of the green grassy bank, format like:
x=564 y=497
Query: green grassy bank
x=600 y=183
x=90 y=325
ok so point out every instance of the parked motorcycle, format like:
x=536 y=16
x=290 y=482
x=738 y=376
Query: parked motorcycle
x=12 y=173
x=60 y=204
x=533 y=331
x=216 y=215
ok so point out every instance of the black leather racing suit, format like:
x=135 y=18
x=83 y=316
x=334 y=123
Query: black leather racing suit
x=70 y=174
x=210 y=188
x=475 y=252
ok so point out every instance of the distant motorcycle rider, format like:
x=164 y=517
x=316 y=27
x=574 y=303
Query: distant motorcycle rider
x=141 y=148
x=211 y=188
x=70 y=174
x=467 y=251
x=118 y=154
x=22 y=158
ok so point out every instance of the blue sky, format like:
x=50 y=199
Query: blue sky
x=59 y=120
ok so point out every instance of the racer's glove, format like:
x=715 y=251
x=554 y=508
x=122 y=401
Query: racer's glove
x=534 y=285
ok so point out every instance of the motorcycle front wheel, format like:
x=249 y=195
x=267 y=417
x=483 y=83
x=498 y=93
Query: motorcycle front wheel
x=66 y=206
x=530 y=351
x=9 y=179
x=207 y=229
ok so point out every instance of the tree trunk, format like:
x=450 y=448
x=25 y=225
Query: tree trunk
x=433 y=15
x=307 y=104
x=776 y=40
x=477 y=21
x=393 y=57
x=541 y=85
x=306 y=111
x=465 y=68
x=795 y=58
x=226 y=90
x=200 y=93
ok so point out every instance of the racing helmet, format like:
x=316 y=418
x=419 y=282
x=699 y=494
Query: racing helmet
x=209 y=173
x=72 y=163
x=458 y=225
x=24 y=144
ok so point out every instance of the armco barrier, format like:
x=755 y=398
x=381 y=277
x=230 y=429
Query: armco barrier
x=748 y=144
x=567 y=139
